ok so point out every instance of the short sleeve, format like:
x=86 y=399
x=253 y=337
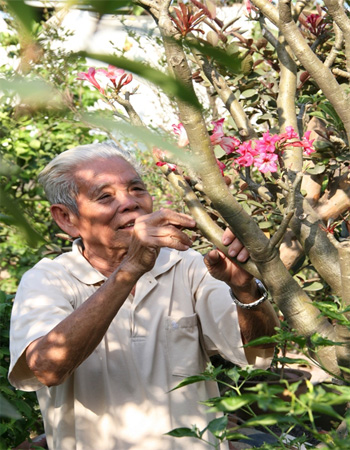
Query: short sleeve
x=44 y=298
x=220 y=327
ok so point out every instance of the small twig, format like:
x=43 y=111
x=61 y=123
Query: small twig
x=341 y=73
x=277 y=238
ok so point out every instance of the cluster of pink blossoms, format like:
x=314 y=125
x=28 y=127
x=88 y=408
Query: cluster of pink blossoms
x=264 y=153
x=118 y=77
x=261 y=153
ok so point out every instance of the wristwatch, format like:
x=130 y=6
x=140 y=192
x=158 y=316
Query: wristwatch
x=262 y=291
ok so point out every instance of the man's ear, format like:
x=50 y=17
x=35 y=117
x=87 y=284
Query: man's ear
x=65 y=219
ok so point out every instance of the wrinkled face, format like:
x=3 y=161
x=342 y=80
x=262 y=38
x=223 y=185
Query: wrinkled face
x=111 y=196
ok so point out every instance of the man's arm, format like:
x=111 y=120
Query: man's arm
x=53 y=357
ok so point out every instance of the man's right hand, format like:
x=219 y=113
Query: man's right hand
x=162 y=228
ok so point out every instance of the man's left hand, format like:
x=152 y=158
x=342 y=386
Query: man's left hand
x=222 y=268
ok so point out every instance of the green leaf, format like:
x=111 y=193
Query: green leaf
x=233 y=436
x=7 y=410
x=286 y=360
x=316 y=170
x=190 y=380
x=32 y=92
x=262 y=420
x=226 y=59
x=318 y=114
x=25 y=13
x=233 y=403
x=142 y=134
x=265 y=225
x=104 y=6
x=171 y=86
x=33 y=238
x=249 y=93
x=315 y=286
x=217 y=426
x=181 y=432
x=325 y=409
x=261 y=341
x=318 y=340
x=329 y=109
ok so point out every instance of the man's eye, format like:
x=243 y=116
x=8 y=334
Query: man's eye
x=104 y=196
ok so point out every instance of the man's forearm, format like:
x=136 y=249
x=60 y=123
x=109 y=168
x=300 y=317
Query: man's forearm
x=53 y=357
x=258 y=321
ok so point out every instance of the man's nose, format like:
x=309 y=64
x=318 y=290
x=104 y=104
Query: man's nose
x=127 y=201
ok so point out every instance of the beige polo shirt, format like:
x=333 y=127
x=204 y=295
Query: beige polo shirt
x=119 y=397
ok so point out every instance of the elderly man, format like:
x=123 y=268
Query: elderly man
x=104 y=332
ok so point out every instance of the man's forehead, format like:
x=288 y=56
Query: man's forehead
x=106 y=170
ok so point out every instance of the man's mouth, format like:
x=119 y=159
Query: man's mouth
x=127 y=225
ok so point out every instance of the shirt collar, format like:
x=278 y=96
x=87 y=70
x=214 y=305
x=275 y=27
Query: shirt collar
x=79 y=266
x=81 y=269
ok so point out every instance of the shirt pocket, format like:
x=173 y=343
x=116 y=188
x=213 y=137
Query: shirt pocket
x=183 y=344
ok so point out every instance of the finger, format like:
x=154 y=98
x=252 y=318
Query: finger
x=162 y=236
x=228 y=237
x=212 y=257
x=170 y=217
x=243 y=255
x=235 y=247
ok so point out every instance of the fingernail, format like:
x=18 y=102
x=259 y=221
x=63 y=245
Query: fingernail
x=232 y=252
x=225 y=240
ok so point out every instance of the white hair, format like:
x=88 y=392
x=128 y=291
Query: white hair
x=58 y=177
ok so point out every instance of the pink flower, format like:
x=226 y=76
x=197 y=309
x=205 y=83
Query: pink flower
x=222 y=166
x=171 y=166
x=229 y=144
x=124 y=80
x=112 y=73
x=90 y=76
x=180 y=131
x=245 y=160
x=217 y=137
x=307 y=144
x=266 y=162
x=290 y=133
x=218 y=131
x=247 y=153
x=268 y=143
x=246 y=147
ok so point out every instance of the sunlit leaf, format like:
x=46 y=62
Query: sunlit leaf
x=141 y=134
x=233 y=403
x=103 y=6
x=315 y=286
x=317 y=169
x=23 y=12
x=171 y=86
x=31 y=92
x=262 y=420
